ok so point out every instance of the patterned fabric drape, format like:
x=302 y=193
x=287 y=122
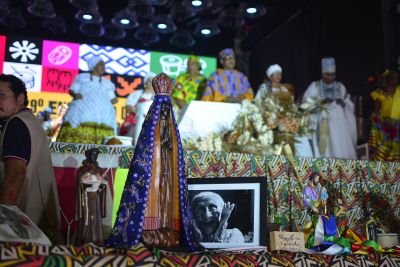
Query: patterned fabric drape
x=351 y=180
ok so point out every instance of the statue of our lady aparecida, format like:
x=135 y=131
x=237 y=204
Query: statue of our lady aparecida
x=154 y=207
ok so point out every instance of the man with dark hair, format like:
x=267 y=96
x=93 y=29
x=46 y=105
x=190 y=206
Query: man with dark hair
x=26 y=173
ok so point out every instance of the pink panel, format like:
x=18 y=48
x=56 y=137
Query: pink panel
x=57 y=80
x=60 y=55
x=2 y=51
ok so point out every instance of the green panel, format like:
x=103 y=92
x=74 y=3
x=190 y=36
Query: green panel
x=119 y=184
x=174 y=64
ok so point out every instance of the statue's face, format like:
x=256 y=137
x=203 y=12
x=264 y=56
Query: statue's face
x=165 y=110
x=316 y=180
x=207 y=211
x=93 y=156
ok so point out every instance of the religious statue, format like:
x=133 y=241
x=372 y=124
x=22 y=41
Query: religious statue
x=90 y=204
x=154 y=207
x=315 y=196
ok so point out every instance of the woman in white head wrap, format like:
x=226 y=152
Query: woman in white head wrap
x=137 y=106
x=272 y=83
x=91 y=115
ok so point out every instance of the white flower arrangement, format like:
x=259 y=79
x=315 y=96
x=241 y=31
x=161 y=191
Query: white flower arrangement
x=262 y=126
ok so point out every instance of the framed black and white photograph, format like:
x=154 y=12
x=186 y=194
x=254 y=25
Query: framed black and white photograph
x=228 y=212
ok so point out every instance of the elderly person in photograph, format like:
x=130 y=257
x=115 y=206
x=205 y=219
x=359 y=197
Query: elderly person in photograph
x=335 y=125
x=210 y=219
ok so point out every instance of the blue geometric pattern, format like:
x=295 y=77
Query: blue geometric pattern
x=118 y=60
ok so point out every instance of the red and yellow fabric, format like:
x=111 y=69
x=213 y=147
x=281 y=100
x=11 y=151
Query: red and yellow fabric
x=390 y=104
x=384 y=139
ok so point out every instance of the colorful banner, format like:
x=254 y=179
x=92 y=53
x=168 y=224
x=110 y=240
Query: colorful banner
x=174 y=64
x=60 y=55
x=24 y=50
x=48 y=68
x=122 y=61
x=30 y=74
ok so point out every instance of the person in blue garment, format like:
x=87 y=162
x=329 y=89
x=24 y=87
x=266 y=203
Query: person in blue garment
x=91 y=115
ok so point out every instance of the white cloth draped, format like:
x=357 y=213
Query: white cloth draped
x=95 y=104
x=341 y=123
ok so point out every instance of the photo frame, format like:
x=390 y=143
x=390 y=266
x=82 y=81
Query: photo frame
x=246 y=225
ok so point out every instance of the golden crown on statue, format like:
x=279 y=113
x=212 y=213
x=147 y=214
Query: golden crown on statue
x=162 y=84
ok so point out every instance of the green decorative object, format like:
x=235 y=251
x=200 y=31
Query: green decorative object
x=86 y=133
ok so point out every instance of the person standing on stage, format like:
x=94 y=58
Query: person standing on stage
x=91 y=115
x=336 y=133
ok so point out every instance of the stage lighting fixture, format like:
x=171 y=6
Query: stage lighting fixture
x=125 y=19
x=114 y=32
x=143 y=8
x=163 y=24
x=182 y=38
x=14 y=19
x=89 y=15
x=207 y=29
x=55 y=25
x=42 y=9
x=146 y=35
x=92 y=29
x=197 y=5
x=253 y=11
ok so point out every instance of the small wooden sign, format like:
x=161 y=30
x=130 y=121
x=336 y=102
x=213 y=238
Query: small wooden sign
x=290 y=241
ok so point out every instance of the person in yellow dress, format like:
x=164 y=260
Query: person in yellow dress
x=384 y=140
x=189 y=85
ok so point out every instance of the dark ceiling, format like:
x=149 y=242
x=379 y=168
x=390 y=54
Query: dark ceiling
x=228 y=15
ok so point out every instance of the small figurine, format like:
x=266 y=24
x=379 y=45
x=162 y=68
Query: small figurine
x=315 y=196
x=90 y=204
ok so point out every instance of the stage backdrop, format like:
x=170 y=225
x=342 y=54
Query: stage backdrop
x=49 y=67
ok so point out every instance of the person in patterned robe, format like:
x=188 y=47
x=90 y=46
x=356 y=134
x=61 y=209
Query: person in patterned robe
x=227 y=84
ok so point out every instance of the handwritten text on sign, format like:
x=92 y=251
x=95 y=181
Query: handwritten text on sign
x=290 y=241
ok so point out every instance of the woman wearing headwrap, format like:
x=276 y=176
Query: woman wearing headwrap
x=273 y=86
x=189 y=85
x=227 y=84
x=91 y=115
